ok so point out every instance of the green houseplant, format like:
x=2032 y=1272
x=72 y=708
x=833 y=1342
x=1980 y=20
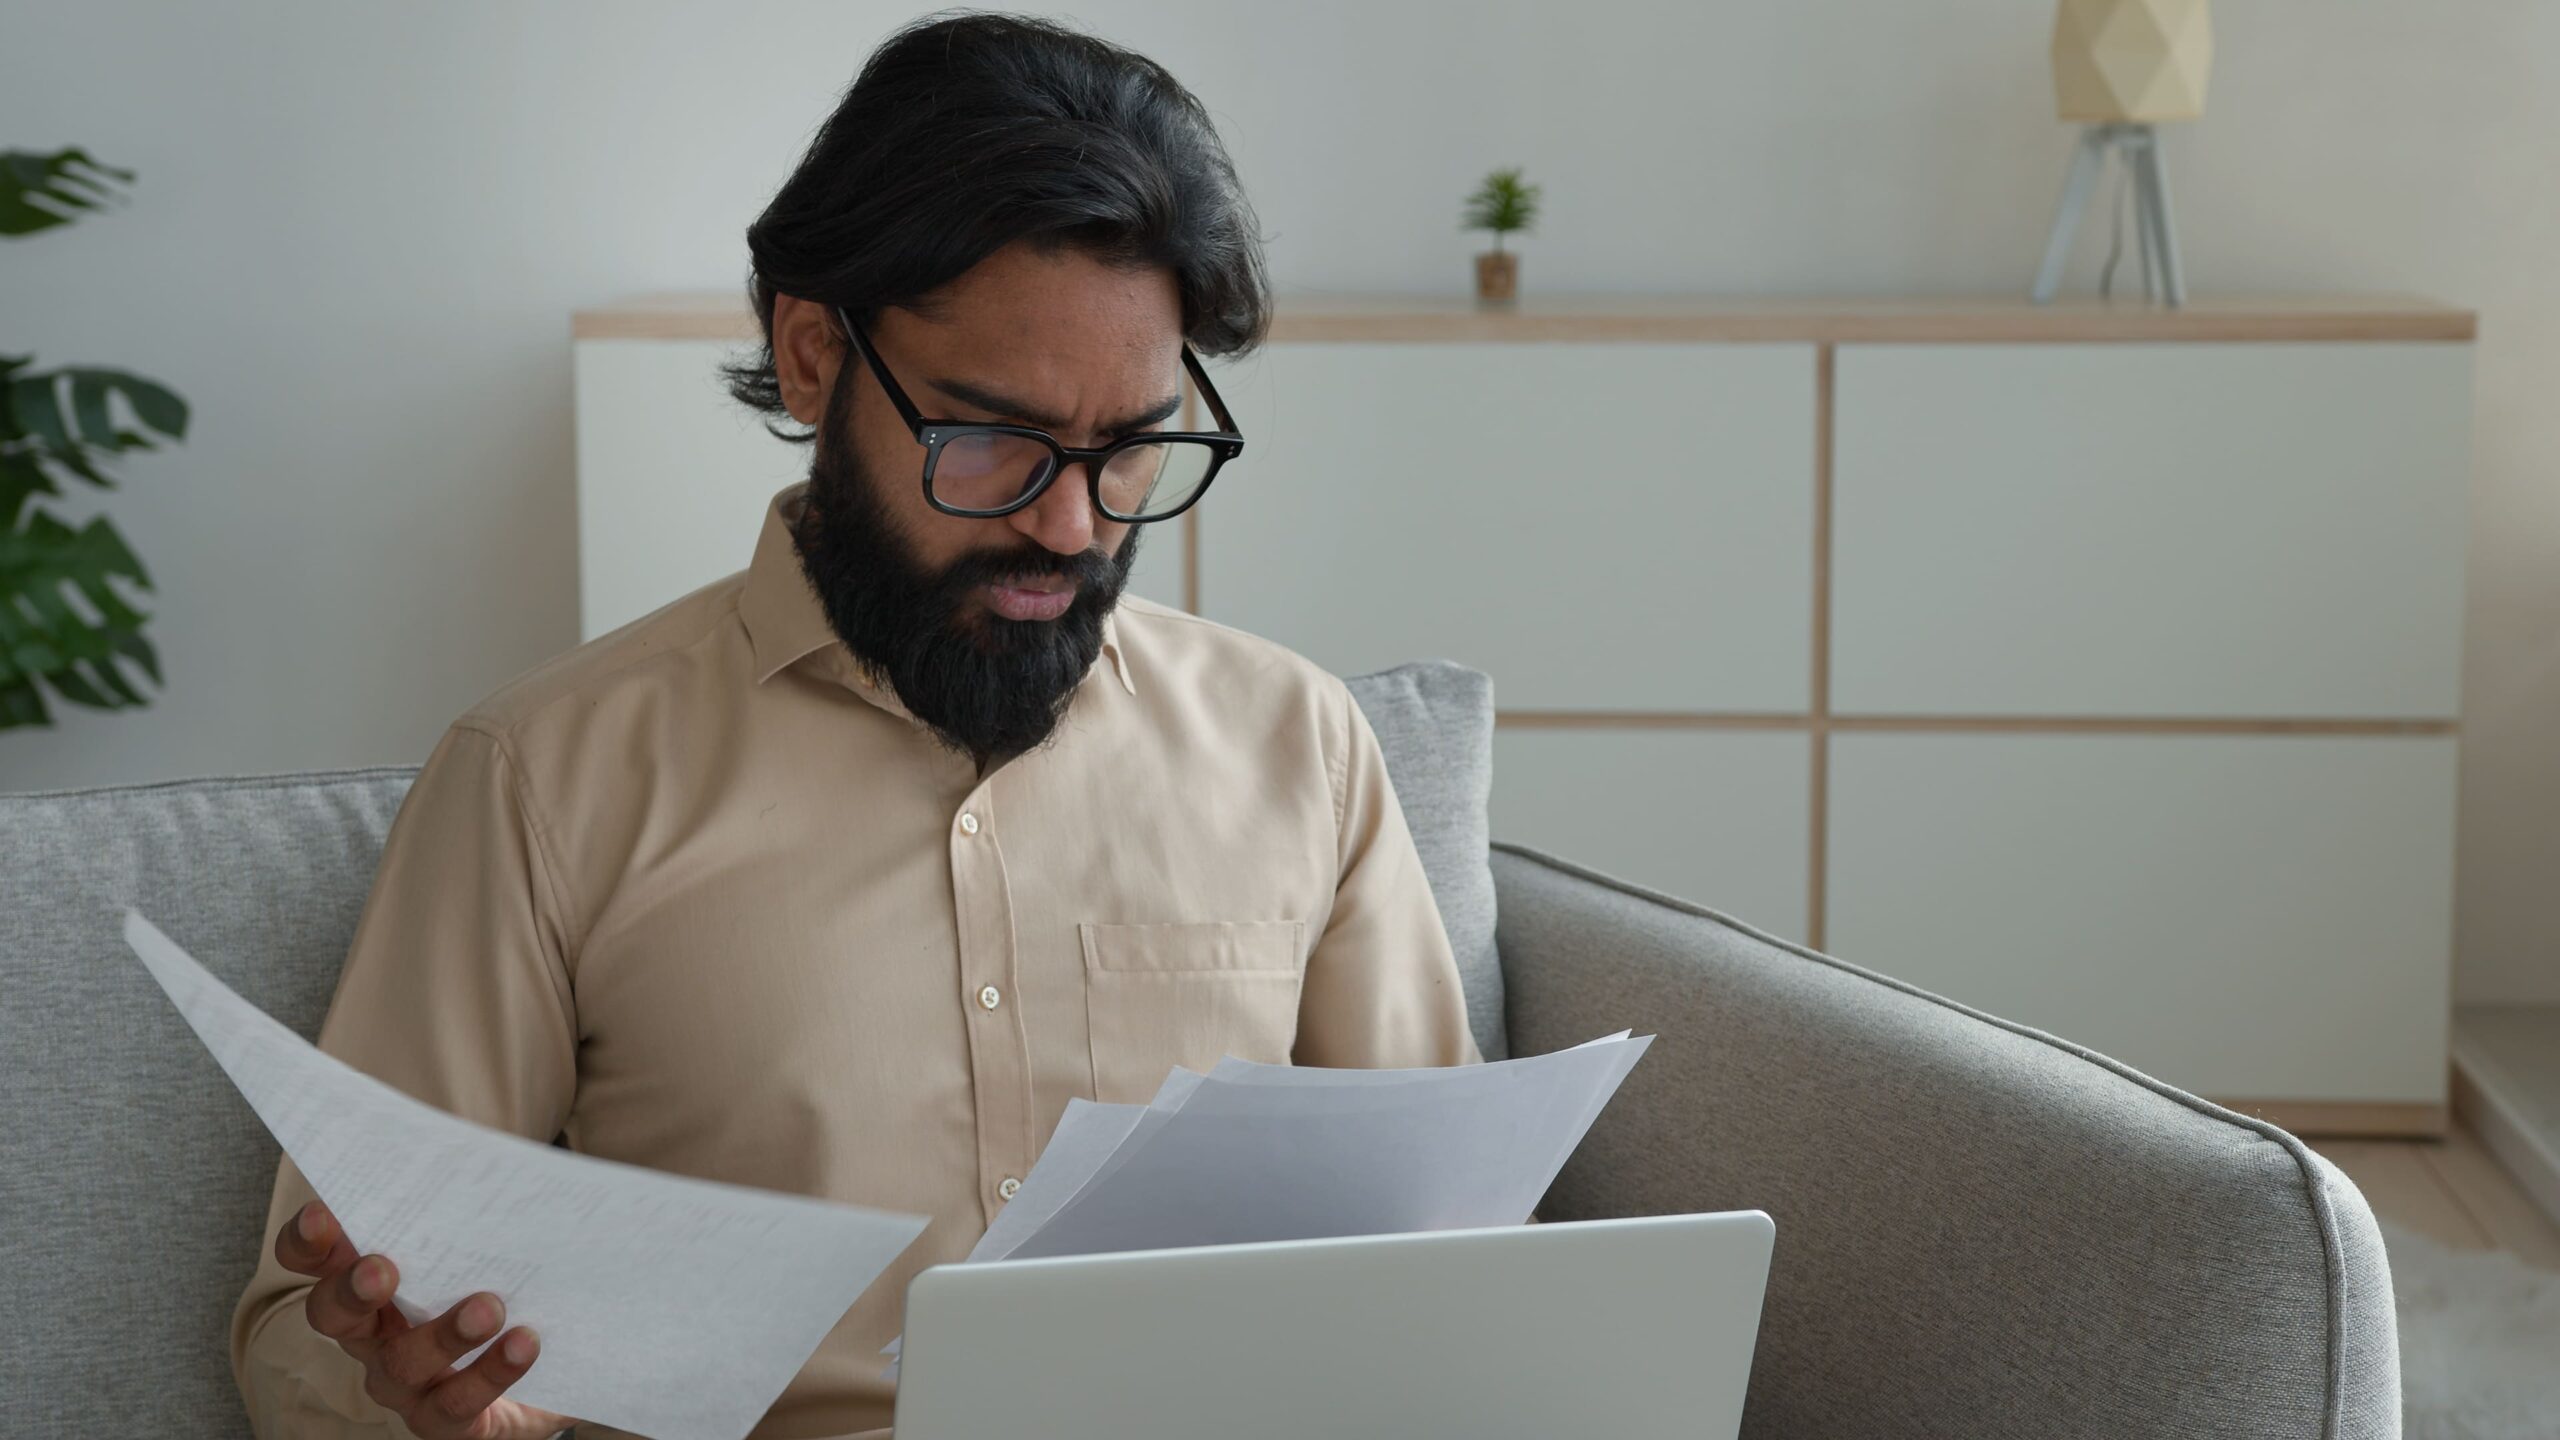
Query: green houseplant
x=64 y=625
x=1503 y=204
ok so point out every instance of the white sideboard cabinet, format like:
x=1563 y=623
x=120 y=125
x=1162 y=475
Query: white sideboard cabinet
x=2097 y=666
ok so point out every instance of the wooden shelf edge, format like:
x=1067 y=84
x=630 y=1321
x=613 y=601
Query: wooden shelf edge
x=1920 y=327
x=1648 y=720
x=1713 y=319
x=2145 y=724
x=1964 y=724
x=669 y=317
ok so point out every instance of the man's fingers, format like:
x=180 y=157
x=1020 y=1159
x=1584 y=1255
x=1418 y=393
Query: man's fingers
x=408 y=1369
x=456 y=1401
x=353 y=1305
x=419 y=1359
x=312 y=1244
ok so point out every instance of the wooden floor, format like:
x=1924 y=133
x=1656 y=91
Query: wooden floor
x=2451 y=1189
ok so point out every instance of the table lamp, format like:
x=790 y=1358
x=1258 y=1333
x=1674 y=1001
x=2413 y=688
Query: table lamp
x=2121 y=67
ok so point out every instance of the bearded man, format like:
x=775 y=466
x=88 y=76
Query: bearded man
x=843 y=875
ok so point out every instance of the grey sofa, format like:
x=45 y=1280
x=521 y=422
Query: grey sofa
x=1982 y=1231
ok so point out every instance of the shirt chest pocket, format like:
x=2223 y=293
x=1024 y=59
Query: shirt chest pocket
x=1157 y=996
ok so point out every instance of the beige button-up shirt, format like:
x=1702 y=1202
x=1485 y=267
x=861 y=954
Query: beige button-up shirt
x=699 y=895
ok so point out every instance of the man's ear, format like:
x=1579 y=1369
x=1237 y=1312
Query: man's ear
x=807 y=348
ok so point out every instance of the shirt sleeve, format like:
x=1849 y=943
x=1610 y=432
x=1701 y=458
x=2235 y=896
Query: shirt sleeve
x=457 y=992
x=1382 y=986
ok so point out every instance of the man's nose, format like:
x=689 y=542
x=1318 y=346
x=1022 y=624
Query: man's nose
x=1061 y=520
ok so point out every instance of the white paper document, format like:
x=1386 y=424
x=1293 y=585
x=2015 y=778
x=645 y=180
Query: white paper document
x=671 y=1307
x=1252 y=1152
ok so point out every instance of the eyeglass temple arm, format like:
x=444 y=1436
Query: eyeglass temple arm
x=879 y=368
x=1209 y=392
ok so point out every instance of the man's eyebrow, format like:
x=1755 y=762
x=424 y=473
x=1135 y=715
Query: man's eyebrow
x=1009 y=408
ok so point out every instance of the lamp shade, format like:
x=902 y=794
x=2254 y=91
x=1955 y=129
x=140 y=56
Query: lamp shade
x=2131 y=61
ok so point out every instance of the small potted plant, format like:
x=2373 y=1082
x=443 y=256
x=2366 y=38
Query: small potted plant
x=1502 y=205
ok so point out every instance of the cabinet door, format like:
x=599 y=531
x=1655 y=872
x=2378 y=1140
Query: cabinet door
x=1598 y=526
x=2144 y=530
x=2264 y=917
x=1713 y=816
x=673 y=478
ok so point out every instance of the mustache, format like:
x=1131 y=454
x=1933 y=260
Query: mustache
x=1088 y=568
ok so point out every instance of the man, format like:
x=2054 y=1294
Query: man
x=841 y=876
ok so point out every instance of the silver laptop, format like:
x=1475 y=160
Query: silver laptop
x=1626 y=1328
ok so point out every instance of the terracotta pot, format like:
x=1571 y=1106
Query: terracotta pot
x=1497 y=276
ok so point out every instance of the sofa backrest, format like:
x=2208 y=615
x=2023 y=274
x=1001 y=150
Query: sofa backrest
x=134 y=1181
x=1434 y=722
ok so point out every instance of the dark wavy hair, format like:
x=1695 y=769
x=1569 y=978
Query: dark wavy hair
x=969 y=130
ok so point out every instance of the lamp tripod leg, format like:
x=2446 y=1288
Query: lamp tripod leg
x=2164 y=231
x=2130 y=148
x=2076 y=185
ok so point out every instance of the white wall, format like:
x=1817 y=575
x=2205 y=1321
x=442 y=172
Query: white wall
x=361 y=230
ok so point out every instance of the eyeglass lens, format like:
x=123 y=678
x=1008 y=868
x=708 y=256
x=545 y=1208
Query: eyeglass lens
x=989 y=471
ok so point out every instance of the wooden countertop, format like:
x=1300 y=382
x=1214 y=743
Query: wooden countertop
x=1735 y=319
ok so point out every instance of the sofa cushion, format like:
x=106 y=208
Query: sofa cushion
x=134 y=1182
x=1435 y=725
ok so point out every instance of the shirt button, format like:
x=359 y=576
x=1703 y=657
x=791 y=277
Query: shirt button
x=1010 y=1188
x=968 y=823
x=990 y=997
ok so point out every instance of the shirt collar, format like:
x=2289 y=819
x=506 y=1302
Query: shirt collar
x=786 y=624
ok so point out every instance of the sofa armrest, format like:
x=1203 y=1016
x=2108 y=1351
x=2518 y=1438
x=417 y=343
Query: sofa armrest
x=1982 y=1230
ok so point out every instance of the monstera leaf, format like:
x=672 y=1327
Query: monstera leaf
x=65 y=623
x=39 y=191
x=79 y=650
x=56 y=423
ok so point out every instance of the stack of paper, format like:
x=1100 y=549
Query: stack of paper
x=1252 y=1152
x=667 y=1306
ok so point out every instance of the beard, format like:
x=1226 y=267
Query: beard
x=984 y=685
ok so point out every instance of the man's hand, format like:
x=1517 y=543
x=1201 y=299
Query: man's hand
x=408 y=1369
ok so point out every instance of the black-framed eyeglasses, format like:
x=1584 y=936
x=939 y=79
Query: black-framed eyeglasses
x=983 y=471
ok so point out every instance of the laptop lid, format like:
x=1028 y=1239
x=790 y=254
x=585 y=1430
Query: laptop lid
x=1628 y=1328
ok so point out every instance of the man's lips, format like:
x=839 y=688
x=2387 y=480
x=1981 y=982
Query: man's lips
x=1043 y=600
